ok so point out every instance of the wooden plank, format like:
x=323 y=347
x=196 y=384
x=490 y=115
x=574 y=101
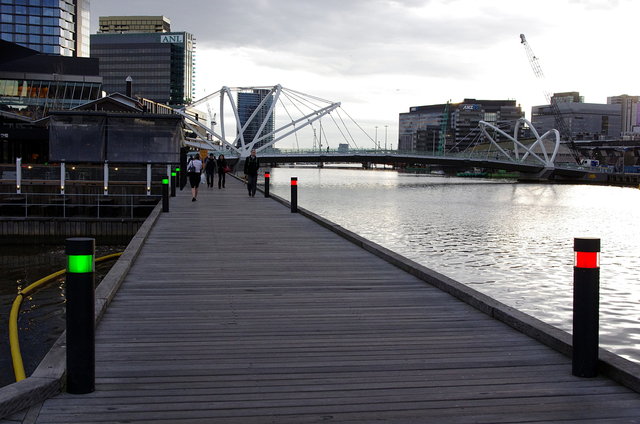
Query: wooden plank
x=238 y=311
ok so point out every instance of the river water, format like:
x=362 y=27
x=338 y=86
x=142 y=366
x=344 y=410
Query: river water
x=513 y=242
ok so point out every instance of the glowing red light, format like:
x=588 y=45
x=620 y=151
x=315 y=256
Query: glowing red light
x=587 y=260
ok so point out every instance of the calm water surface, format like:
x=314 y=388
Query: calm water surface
x=513 y=242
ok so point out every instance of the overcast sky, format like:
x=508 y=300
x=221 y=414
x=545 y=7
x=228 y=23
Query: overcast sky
x=380 y=57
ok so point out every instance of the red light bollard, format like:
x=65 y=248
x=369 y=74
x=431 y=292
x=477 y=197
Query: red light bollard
x=267 y=177
x=586 y=305
x=294 y=194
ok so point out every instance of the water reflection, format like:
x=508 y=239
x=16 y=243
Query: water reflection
x=513 y=242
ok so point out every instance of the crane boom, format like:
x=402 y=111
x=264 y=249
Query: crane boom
x=562 y=127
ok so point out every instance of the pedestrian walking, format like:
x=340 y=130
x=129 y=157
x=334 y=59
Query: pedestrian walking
x=251 y=166
x=210 y=169
x=222 y=169
x=194 y=171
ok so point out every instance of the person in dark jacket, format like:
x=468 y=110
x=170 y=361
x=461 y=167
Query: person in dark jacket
x=222 y=168
x=251 y=166
x=210 y=169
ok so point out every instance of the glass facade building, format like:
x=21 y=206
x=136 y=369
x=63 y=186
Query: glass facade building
x=33 y=84
x=248 y=102
x=420 y=128
x=161 y=65
x=58 y=27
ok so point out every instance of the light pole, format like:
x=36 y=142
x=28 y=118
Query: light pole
x=375 y=143
x=385 y=137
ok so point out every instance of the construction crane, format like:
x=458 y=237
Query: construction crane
x=562 y=127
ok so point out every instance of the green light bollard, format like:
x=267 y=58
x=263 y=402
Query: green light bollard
x=173 y=184
x=586 y=302
x=294 y=194
x=267 y=177
x=80 y=315
x=178 y=178
x=165 y=195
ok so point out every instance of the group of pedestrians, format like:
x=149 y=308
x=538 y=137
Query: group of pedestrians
x=195 y=167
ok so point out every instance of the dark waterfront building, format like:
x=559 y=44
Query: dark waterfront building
x=248 y=102
x=160 y=64
x=584 y=121
x=421 y=128
x=58 y=27
x=32 y=85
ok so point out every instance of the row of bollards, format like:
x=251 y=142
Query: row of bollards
x=80 y=301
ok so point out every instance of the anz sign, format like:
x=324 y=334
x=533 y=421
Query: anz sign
x=176 y=38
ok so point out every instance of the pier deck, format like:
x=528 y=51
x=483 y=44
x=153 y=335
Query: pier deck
x=238 y=311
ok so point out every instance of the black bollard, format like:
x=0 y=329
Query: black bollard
x=586 y=293
x=80 y=300
x=267 y=177
x=173 y=184
x=165 y=195
x=294 y=194
x=178 y=178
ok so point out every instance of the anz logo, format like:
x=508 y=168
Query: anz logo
x=172 y=38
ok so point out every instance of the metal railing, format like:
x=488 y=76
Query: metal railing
x=49 y=205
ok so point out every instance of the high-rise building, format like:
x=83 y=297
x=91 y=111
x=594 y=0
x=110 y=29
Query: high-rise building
x=629 y=112
x=420 y=128
x=248 y=102
x=48 y=26
x=122 y=24
x=161 y=65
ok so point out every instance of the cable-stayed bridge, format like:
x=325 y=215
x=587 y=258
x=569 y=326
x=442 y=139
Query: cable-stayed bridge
x=244 y=118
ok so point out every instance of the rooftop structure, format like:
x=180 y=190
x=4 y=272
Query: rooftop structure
x=126 y=24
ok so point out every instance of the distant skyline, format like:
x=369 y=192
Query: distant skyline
x=380 y=57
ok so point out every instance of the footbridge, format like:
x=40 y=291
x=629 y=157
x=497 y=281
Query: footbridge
x=241 y=119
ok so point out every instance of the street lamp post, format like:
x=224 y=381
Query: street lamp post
x=385 y=137
x=375 y=143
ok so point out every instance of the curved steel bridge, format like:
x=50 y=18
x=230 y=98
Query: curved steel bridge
x=256 y=129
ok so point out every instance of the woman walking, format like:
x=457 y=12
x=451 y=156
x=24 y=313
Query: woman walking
x=222 y=169
x=194 y=170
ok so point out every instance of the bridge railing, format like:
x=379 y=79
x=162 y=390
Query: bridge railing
x=473 y=155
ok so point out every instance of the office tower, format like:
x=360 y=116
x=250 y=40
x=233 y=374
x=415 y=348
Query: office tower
x=584 y=121
x=420 y=128
x=630 y=114
x=248 y=102
x=48 y=26
x=122 y=24
x=160 y=64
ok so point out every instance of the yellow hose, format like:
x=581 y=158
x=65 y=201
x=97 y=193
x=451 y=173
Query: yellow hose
x=14 y=343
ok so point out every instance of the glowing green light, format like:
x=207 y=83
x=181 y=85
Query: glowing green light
x=165 y=181
x=177 y=169
x=173 y=174
x=80 y=263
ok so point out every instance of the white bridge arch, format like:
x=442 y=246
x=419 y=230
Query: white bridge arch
x=521 y=151
x=301 y=110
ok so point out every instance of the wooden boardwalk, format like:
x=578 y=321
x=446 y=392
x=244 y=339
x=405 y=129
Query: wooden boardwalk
x=238 y=311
